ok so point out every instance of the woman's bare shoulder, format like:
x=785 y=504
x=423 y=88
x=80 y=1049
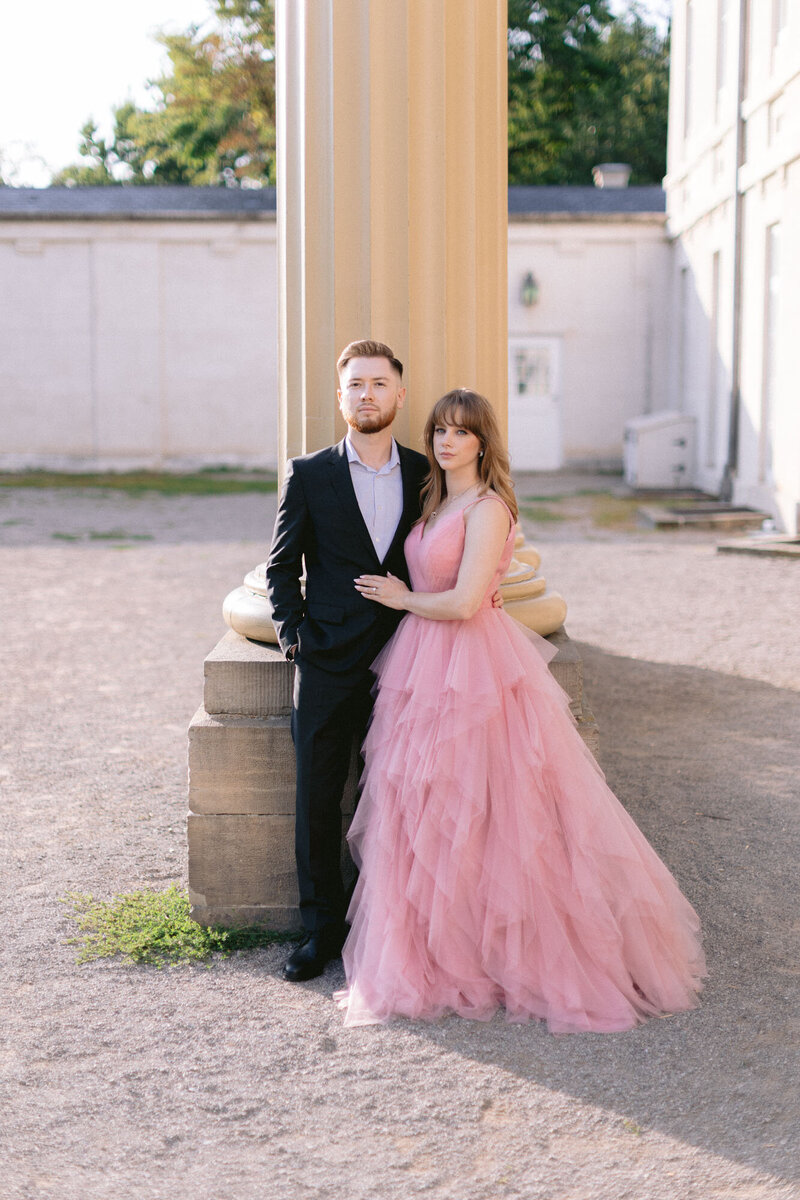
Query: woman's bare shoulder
x=494 y=514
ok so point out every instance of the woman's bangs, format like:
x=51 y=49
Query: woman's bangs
x=455 y=410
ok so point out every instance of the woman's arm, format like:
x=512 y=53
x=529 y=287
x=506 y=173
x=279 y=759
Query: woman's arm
x=487 y=528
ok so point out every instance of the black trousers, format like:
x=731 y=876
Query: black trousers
x=330 y=713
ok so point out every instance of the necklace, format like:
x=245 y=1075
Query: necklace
x=455 y=496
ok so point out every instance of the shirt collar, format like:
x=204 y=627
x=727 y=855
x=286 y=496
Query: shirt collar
x=354 y=457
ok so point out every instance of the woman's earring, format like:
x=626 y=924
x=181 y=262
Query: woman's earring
x=480 y=455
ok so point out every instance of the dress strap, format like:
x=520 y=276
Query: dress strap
x=490 y=496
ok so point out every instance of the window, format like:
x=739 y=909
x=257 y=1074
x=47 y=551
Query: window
x=688 y=69
x=723 y=35
x=683 y=340
x=714 y=368
x=770 y=362
x=780 y=18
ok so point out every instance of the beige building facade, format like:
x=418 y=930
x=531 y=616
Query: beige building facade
x=140 y=326
x=733 y=204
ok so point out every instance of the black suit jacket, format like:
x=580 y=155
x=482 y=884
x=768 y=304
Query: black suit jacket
x=319 y=522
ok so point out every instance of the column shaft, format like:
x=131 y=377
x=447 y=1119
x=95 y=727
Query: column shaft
x=392 y=193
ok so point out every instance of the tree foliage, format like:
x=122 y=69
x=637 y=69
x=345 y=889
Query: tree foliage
x=213 y=121
x=584 y=87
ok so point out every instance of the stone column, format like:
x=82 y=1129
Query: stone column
x=392 y=201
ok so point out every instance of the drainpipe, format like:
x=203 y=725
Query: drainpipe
x=729 y=474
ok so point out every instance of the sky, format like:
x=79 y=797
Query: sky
x=75 y=60
x=81 y=59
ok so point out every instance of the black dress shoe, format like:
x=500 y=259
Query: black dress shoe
x=309 y=959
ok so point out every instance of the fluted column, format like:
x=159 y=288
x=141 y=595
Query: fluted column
x=392 y=200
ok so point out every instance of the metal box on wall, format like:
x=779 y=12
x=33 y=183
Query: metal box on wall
x=659 y=450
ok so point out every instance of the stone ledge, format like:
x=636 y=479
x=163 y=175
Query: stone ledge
x=252 y=679
x=239 y=916
x=247 y=678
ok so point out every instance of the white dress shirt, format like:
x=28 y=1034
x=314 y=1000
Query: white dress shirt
x=379 y=495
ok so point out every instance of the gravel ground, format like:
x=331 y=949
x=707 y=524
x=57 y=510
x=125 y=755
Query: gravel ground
x=228 y=1084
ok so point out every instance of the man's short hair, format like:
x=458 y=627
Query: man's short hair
x=368 y=349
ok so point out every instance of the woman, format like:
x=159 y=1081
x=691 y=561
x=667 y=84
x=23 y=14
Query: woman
x=496 y=866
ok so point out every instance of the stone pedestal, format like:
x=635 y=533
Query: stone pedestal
x=241 y=783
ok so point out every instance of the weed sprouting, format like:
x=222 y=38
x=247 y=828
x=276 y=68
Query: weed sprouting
x=154 y=927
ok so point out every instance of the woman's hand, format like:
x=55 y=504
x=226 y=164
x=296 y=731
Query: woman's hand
x=386 y=589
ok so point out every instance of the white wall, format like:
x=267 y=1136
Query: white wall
x=603 y=298
x=129 y=342
x=701 y=186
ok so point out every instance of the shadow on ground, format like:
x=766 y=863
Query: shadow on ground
x=708 y=765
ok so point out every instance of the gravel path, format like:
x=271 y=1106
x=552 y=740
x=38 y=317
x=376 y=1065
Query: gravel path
x=227 y=1084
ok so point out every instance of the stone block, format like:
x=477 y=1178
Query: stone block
x=246 y=765
x=567 y=668
x=240 y=764
x=246 y=863
x=245 y=678
x=587 y=728
x=242 y=860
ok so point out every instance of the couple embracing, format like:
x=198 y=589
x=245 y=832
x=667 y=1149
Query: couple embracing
x=496 y=868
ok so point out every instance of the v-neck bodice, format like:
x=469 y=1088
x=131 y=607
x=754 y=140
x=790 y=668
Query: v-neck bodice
x=434 y=555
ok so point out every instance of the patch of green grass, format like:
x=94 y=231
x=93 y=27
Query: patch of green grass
x=541 y=513
x=154 y=927
x=214 y=482
x=613 y=512
x=109 y=535
x=119 y=535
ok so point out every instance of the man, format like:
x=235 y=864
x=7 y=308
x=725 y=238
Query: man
x=344 y=511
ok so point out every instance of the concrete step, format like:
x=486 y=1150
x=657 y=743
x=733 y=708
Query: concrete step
x=765 y=546
x=703 y=515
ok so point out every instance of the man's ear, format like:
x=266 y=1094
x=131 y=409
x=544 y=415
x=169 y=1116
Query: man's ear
x=401 y=397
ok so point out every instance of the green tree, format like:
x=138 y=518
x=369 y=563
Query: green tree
x=584 y=87
x=111 y=162
x=213 y=120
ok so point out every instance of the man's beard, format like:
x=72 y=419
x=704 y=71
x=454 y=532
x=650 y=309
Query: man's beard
x=373 y=424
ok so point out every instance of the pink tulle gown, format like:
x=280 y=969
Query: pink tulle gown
x=496 y=866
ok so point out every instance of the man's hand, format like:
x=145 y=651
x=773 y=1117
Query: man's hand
x=497 y=599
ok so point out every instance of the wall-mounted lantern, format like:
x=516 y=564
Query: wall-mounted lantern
x=529 y=292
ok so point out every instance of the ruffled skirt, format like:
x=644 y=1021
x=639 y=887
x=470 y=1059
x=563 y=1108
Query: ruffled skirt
x=497 y=869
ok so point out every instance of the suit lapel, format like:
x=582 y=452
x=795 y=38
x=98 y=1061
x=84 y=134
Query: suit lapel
x=343 y=486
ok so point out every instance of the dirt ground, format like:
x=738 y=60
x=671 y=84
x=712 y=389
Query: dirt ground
x=225 y=1083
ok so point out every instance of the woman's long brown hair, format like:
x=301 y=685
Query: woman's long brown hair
x=471 y=411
